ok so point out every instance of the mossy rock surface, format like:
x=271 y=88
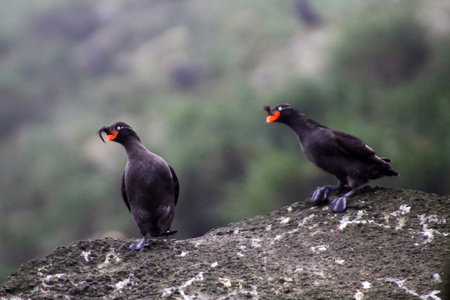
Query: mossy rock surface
x=389 y=244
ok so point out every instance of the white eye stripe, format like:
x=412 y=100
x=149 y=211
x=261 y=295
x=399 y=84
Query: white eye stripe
x=119 y=127
x=280 y=108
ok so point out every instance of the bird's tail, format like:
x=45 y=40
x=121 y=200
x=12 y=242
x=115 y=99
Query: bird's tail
x=382 y=168
x=167 y=233
x=387 y=166
x=391 y=172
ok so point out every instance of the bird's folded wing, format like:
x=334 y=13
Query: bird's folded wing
x=124 y=192
x=353 y=146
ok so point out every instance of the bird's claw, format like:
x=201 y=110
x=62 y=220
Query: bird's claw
x=319 y=196
x=140 y=245
x=135 y=247
x=339 y=204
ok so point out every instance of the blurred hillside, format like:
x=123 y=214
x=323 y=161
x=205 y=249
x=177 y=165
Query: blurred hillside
x=190 y=76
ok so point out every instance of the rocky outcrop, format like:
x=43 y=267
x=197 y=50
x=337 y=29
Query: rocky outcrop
x=389 y=244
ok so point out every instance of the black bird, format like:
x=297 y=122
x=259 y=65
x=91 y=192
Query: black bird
x=336 y=152
x=149 y=185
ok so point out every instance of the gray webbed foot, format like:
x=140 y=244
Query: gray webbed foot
x=321 y=194
x=339 y=204
x=140 y=245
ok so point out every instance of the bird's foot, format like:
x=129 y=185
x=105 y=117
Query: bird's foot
x=339 y=204
x=321 y=194
x=140 y=245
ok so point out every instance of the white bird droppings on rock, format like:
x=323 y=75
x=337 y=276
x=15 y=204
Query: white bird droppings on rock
x=431 y=295
x=214 y=264
x=358 y=295
x=225 y=281
x=366 y=284
x=405 y=209
x=51 y=277
x=305 y=219
x=256 y=243
x=284 y=220
x=437 y=277
x=110 y=257
x=169 y=291
x=319 y=248
x=431 y=219
x=401 y=284
x=401 y=223
x=121 y=284
x=278 y=237
x=429 y=233
x=183 y=253
x=86 y=254
x=402 y=210
x=345 y=221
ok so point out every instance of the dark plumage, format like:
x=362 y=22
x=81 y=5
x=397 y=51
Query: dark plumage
x=149 y=185
x=339 y=153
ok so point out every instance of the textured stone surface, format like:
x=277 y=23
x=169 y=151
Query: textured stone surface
x=389 y=244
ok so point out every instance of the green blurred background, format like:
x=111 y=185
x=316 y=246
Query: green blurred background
x=190 y=76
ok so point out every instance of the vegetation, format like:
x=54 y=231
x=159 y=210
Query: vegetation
x=190 y=77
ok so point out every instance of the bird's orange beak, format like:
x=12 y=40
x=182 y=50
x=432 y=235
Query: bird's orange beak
x=272 y=118
x=111 y=137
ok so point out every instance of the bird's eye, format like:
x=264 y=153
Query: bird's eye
x=280 y=108
x=118 y=127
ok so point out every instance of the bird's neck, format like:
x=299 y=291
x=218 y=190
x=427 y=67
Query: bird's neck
x=134 y=149
x=300 y=126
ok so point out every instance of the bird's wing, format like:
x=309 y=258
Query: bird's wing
x=124 y=192
x=353 y=146
x=176 y=184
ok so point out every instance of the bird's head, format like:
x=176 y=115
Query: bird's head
x=118 y=132
x=279 y=113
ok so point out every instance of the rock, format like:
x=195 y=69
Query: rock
x=389 y=244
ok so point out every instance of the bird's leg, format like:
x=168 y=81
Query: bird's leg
x=320 y=195
x=140 y=245
x=339 y=204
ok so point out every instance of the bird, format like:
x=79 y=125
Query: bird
x=339 y=153
x=306 y=13
x=149 y=185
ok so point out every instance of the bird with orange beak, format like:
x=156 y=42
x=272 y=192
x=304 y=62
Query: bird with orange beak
x=149 y=185
x=339 y=153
